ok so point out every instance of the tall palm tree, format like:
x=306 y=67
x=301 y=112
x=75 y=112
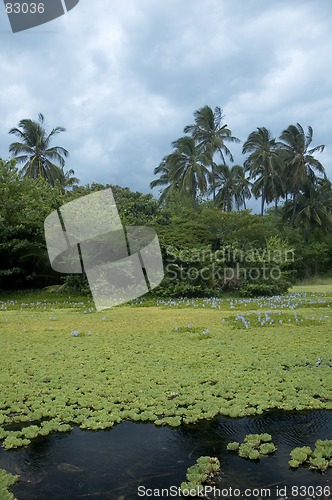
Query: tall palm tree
x=300 y=162
x=187 y=167
x=232 y=185
x=34 y=151
x=264 y=165
x=313 y=207
x=211 y=135
x=163 y=169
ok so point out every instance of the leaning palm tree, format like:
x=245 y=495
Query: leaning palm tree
x=233 y=187
x=211 y=135
x=241 y=189
x=300 y=162
x=39 y=159
x=187 y=168
x=67 y=180
x=264 y=165
x=164 y=180
x=313 y=207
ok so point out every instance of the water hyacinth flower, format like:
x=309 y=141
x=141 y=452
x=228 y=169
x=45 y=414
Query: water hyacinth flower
x=104 y=318
x=243 y=319
x=75 y=333
x=206 y=332
x=89 y=332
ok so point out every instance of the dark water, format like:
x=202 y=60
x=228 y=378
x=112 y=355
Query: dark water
x=112 y=464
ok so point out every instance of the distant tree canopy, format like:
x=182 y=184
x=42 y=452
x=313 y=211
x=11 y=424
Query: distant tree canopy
x=200 y=216
x=281 y=171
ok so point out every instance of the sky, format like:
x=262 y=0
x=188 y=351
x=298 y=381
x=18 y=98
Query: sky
x=124 y=78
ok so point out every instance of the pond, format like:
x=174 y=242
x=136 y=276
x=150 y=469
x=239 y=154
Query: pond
x=112 y=464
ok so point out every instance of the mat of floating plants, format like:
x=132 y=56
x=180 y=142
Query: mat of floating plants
x=162 y=361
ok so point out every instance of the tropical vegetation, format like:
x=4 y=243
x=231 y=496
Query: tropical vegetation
x=201 y=209
x=276 y=170
x=218 y=258
x=34 y=151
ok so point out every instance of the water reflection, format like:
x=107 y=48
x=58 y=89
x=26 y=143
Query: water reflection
x=112 y=464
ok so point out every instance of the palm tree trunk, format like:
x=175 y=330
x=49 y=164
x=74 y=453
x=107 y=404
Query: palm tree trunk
x=263 y=196
x=213 y=182
x=294 y=210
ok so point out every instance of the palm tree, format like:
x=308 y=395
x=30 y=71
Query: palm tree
x=313 y=207
x=164 y=180
x=232 y=185
x=187 y=168
x=264 y=165
x=67 y=180
x=34 y=151
x=300 y=162
x=211 y=135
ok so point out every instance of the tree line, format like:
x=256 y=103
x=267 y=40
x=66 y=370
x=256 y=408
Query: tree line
x=201 y=209
x=276 y=170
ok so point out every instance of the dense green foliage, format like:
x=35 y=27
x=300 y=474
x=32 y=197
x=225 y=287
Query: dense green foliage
x=25 y=203
x=284 y=170
x=208 y=248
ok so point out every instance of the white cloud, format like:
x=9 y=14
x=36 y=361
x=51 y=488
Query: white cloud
x=124 y=78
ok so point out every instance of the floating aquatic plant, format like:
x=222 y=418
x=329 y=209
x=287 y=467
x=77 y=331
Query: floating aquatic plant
x=320 y=458
x=6 y=481
x=254 y=446
x=49 y=382
x=205 y=470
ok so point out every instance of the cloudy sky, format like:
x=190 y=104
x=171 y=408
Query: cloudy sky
x=124 y=77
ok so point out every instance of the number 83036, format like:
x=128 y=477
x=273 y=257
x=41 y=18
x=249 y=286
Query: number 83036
x=25 y=8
